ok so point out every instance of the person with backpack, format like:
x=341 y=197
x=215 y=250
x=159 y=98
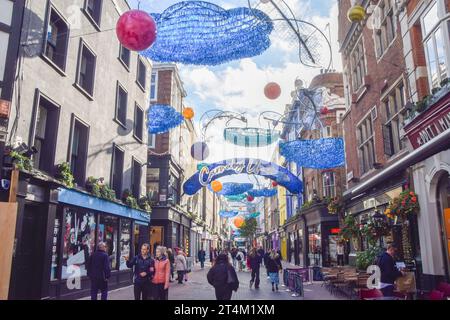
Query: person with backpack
x=223 y=278
x=99 y=272
x=144 y=270
x=274 y=267
x=389 y=271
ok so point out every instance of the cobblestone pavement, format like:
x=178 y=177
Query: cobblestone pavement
x=198 y=288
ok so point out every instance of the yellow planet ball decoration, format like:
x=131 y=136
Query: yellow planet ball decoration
x=356 y=13
x=239 y=222
x=188 y=113
x=216 y=186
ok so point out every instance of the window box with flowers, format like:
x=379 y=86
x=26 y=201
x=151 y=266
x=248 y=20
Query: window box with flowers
x=402 y=206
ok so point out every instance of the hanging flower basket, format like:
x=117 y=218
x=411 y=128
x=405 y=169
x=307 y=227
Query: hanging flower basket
x=403 y=206
x=335 y=206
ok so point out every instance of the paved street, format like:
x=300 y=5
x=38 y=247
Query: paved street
x=197 y=288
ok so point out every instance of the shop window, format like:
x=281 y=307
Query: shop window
x=93 y=8
x=117 y=170
x=366 y=150
x=55 y=249
x=138 y=129
x=125 y=56
x=174 y=189
x=394 y=106
x=56 y=41
x=136 y=174
x=108 y=233
x=79 y=151
x=86 y=69
x=436 y=35
x=153 y=191
x=386 y=29
x=79 y=241
x=124 y=243
x=121 y=105
x=141 y=76
x=45 y=132
x=154 y=86
x=315 y=246
x=358 y=65
x=329 y=185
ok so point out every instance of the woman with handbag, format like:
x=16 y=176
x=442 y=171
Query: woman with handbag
x=223 y=278
x=274 y=267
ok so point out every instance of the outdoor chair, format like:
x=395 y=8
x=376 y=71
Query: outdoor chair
x=370 y=293
x=436 y=295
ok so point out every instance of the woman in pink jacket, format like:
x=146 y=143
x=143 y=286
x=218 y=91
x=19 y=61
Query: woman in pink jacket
x=162 y=275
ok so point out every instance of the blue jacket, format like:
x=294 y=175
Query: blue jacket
x=98 y=266
x=389 y=272
x=142 y=265
x=201 y=255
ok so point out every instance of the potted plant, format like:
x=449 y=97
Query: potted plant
x=64 y=174
x=402 y=206
x=144 y=204
x=125 y=194
x=132 y=202
x=22 y=162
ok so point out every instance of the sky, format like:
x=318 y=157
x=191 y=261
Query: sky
x=239 y=85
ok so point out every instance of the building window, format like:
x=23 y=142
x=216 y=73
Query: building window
x=125 y=56
x=78 y=241
x=117 y=170
x=93 y=8
x=174 y=189
x=436 y=33
x=394 y=106
x=385 y=27
x=138 y=129
x=358 y=65
x=46 y=129
x=329 y=185
x=86 y=69
x=141 y=76
x=153 y=191
x=57 y=36
x=327 y=132
x=366 y=147
x=79 y=150
x=154 y=86
x=152 y=141
x=121 y=105
x=136 y=175
x=108 y=232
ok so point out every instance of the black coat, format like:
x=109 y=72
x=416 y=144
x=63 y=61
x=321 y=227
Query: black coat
x=255 y=261
x=218 y=276
x=201 y=255
x=274 y=265
x=389 y=272
x=98 y=266
x=266 y=258
x=142 y=265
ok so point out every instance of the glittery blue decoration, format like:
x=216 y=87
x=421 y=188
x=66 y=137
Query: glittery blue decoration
x=228 y=214
x=161 y=118
x=202 y=33
x=251 y=137
x=316 y=154
x=233 y=189
x=267 y=193
x=236 y=198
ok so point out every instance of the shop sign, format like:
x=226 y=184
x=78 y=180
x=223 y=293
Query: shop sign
x=428 y=126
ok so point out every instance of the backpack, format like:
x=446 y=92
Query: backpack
x=239 y=257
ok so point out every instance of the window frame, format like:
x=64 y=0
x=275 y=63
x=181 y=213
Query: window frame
x=116 y=115
x=124 y=63
x=135 y=161
x=155 y=84
x=84 y=45
x=75 y=119
x=152 y=138
x=362 y=142
x=329 y=187
x=113 y=162
x=141 y=138
x=443 y=24
x=92 y=19
x=357 y=67
x=60 y=69
x=141 y=63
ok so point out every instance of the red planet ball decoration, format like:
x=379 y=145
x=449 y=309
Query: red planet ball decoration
x=272 y=90
x=250 y=198
x=274 y=184
x=324 y=111
x=136 y=30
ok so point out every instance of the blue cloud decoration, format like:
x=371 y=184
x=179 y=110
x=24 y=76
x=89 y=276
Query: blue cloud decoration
x=324 y=153
x=202 y=33
x=233 y=189
x=161 y=118
x=228 y=214
x=259 y=193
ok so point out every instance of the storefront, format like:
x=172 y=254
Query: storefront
x=320 y=235
x=296 y=242
x=275 y=243
x=58 y=229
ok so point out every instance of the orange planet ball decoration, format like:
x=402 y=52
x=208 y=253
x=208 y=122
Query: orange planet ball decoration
x=239 y=222
x=272 y=90
x=216 y=186
x=188 y=113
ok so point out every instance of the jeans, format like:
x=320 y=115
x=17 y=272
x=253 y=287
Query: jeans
x=159 y=293
x=142 y=289
x=97 y=285
x=202 y=263
x=388 y=291
x=255 y=277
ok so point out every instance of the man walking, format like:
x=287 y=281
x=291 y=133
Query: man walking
x=99 y=272
x=389 y=271
x=202 y=257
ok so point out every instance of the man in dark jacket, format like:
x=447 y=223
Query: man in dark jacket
x=99 y=271
x=255 y=264
x=144 y=269
x=223 y=278
x=261 y=253
x=389 y=272
x=202 y=257
x=266 y=258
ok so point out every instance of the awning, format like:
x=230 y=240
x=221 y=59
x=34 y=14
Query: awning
x=438 y=144
x=84 y=200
